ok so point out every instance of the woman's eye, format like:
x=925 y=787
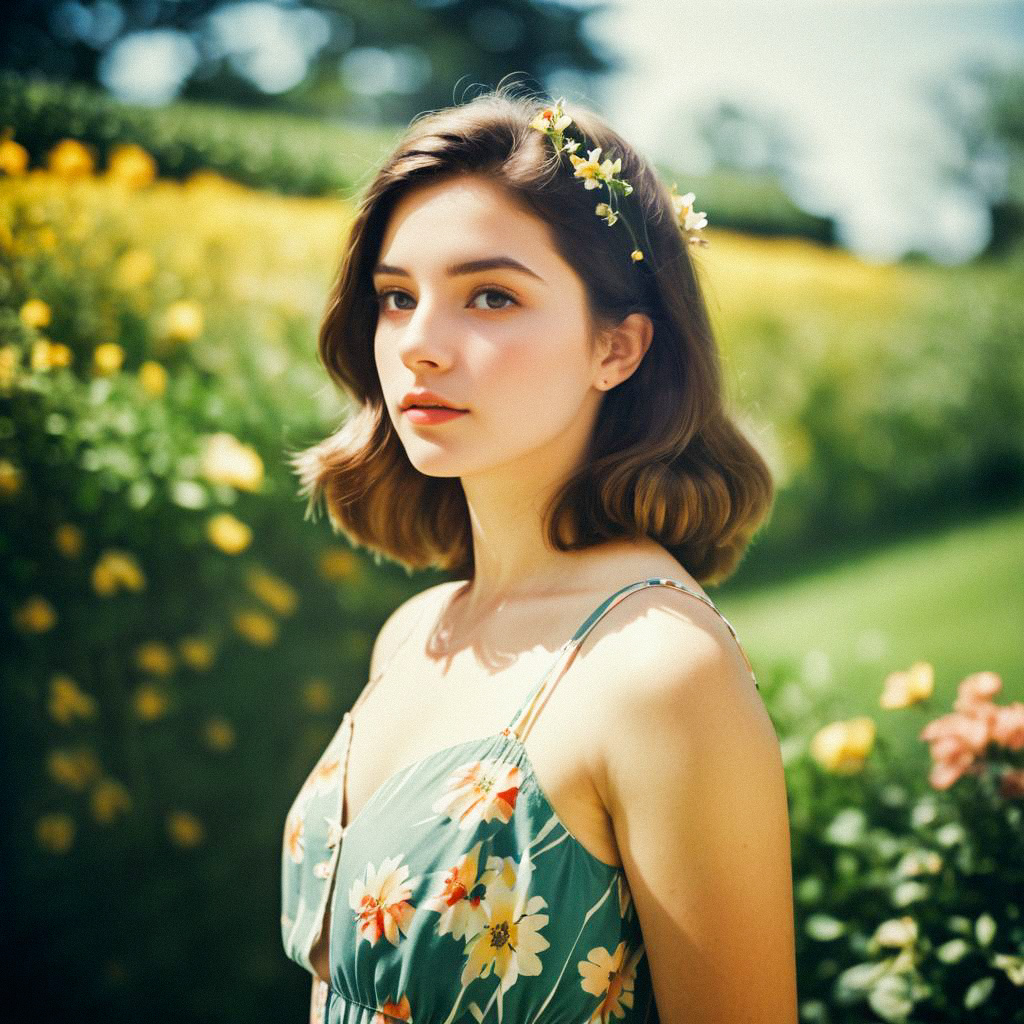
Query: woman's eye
x=382 y=297
x=504 y=297
x=495 y=291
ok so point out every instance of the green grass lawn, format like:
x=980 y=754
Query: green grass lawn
x=954 y=598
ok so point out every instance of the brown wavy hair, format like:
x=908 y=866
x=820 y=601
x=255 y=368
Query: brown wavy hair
x=664 y=460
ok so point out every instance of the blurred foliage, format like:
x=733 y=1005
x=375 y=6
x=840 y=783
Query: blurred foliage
x=290 y=154
x=436 y=44
x=907 y=893
x=306 y=156
x=179 y=644
x=983 y=108
x=883 y=396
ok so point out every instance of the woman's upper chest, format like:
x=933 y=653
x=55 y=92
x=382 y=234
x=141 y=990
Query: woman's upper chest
x=424 y=703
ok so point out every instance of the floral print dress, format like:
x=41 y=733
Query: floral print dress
x=457 y=894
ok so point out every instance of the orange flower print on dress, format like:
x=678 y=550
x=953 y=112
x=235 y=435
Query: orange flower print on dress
x=480 y=791
x=294 y=837
x=610 y=976
x=393 y=1011
x=381 y=901
x=459 y=899
x=510 y=940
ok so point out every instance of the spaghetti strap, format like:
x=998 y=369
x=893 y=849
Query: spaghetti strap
x=568 y=650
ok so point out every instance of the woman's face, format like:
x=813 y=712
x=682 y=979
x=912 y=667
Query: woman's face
x=507 y=343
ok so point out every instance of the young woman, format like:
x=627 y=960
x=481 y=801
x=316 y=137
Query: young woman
x=560 y=796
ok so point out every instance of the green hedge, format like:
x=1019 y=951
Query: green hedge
x=309 y=156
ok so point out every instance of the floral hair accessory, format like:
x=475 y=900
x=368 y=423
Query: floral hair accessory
x=595 y=172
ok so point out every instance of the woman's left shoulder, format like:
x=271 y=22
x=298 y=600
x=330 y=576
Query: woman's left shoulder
x=668 y=646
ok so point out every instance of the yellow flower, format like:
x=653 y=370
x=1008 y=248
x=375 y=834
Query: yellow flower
x=153 y=378
x=338 y=564
x=67 y=701
x=229 y=534
x=151 y=702
x=842 y=747
x=183 y=321
x=109 y=799
x=636 y=255
x=117 y=570
x=317 y=695
x=134 y=269
x=70 y=159
x=259 y=629
x=225 y=460
x=184 y=829
x=10 y=360
x=272 y=591
x=219 y=734
x=73 y=768
x=55 y=832
x=13 y=157
x=131 y=165
x=11 y=479
x=46 y=354
x=902 y=689
x=35 y=615
x=196 y=652
x=69 y=540
x=155 y=658
x=591 y=170
x=552 y=119
x=108 y=357
x=35 y=313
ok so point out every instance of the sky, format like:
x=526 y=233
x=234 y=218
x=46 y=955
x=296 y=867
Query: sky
x=849 y=80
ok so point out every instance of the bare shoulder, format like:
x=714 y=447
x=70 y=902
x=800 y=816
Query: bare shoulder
x=401 y=622
x=695 y=789
x=660 y=647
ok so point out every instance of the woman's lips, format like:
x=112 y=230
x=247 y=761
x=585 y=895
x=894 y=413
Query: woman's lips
x=419 y=414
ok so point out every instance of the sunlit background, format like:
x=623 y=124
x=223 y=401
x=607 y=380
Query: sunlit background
x=180 y=643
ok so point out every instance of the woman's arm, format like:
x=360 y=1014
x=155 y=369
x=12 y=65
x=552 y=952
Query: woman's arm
x=696 y=791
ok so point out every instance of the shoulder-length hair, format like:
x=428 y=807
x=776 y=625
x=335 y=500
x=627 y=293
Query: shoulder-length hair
x=664 y=460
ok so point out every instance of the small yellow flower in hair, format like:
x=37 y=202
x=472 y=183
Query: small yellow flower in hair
x=689 y=221
x=589 y=169
x=551 y=119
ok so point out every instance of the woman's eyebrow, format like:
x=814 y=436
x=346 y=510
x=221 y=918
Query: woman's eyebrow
x=467 y=267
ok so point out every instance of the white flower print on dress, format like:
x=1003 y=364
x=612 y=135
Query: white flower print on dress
x=380 y=901
x=459 y=900
x=480 y=791
x=610 y=976
x=510 y=939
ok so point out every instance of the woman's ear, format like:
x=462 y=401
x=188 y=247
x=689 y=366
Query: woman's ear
x=624 y=346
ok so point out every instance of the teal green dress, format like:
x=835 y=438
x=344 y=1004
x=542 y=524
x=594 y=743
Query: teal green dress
x=457 y=893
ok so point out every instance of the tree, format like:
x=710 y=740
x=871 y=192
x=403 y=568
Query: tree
x=385 y=60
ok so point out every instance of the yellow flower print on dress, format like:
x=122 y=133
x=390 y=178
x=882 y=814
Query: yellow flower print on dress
x=510 y=939
x=459 y=899
x=381 y=901
x=610 y=976
x=480 y=791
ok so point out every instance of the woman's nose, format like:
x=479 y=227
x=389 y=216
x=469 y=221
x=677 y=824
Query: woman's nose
x=427 y=335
